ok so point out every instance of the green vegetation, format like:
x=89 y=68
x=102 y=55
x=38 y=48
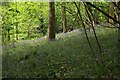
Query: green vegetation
x=60 y=40
x=70 y=53
x=29 y=20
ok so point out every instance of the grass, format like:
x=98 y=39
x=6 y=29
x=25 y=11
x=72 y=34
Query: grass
x=69 y=56
x=0 y=66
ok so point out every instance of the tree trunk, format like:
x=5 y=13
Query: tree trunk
x=16 y=30
x=119 y=27
x=111 y=12
x=16 y=24
x=8 y=34
x=41 y=19
x=103 y=12
x=64 y=20
x=3 y=32
x=95 y=15
x=51 y=26
x=90 y=11
x=28 y=31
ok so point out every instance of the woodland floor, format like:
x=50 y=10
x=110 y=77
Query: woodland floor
x=69 y=56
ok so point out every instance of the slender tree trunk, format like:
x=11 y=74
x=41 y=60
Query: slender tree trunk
x=4 y=30
x=111 y=12
x=64 y=20
x=28 y=31
x=90 y=10
x=119 y=27
x=95 y=15
x=98 y=56
x=104 y=13
x=16 y=30
x=8 y=34
x=41 y=19
x=51 y=26
x=16 y=24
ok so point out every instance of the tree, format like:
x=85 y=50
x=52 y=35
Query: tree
x=64 y=20
x=51 y=25
x=41 y=19
x=103 y=12
x=95 y=15
x=111 y=11
x=90 y=11
x=6 y=22
x=16 y=22
x=119 y=26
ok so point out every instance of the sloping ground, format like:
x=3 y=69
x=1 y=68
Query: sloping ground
x=0 y=67
x=39 y=40
x=69 y=56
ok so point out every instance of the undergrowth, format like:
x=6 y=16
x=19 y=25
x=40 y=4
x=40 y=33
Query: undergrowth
x=68 y=57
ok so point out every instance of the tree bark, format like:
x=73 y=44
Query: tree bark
x=91 y=14
x=8 y=34
x=98 y=56
x=51 y=26
x=28 y=31
x=16 y=24
x=119 y=27
x=64 y=20
x=111 y=12
x=104 y=13
x=95 y=15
